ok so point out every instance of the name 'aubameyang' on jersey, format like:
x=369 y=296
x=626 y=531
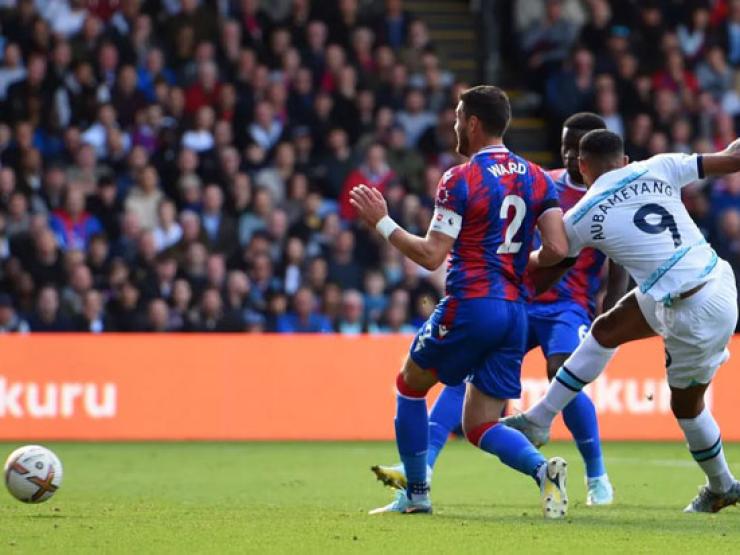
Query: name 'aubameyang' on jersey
x=496 y=199
x=582 y=282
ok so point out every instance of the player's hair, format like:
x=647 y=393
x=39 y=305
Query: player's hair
x=601 y=144
x=490 y=105
x=585 y=121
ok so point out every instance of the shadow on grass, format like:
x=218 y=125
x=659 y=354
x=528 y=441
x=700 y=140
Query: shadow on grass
x=661 y=519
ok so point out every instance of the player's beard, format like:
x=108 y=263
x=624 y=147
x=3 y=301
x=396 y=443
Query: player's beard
x=463 y=144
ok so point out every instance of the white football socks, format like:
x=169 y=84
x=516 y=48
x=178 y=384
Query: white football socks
x=582 y=367
x=703 y=436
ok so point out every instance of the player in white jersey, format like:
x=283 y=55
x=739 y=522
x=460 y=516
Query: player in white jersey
x=685 y=293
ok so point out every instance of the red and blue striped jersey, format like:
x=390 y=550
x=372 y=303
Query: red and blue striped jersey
x=494 y=200
x=582 y=282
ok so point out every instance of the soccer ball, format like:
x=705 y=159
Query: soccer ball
x=33 y=474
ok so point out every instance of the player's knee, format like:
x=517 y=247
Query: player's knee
x=686 y=407
x=408 y=387
x=415 y=378
x=475 y=431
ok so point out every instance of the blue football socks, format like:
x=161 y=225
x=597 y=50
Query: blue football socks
x=510 y=446
x=412 y=436
x=445 y=417
x=580 y=418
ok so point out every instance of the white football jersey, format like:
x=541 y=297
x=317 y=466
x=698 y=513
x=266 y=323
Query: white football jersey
x=635 y=216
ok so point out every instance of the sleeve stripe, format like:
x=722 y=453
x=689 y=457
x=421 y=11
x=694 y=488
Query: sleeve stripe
x=700 y=166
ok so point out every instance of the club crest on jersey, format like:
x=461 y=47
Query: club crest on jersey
x=498 y=170
x=443 y=330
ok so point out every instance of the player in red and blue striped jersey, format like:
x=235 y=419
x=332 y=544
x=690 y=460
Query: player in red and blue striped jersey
x=485 y=217
x=557 y=319
x=581 y=285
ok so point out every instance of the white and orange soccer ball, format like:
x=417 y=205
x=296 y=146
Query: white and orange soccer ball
x=33 y=473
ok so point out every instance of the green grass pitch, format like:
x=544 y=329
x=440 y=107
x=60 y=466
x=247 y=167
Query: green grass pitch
x=314 y=498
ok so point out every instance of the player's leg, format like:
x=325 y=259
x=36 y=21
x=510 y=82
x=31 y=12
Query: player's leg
x=623 y=323
x=697 y=330
x=443 y=349
x=446 y=414
x=494 y=381
x=705 y=443
x=580 y=418
x=560 y=337
x=412 y=438
x=444 y=418
x=482 y=428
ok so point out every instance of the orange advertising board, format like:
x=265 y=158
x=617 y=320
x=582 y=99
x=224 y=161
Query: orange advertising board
x=250 y=387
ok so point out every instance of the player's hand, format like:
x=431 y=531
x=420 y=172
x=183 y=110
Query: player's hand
x=369 y=203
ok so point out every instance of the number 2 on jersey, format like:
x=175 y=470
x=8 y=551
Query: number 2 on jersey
x=666 y=223
x=509 y=246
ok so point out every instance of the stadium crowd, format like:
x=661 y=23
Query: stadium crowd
x=179 y=165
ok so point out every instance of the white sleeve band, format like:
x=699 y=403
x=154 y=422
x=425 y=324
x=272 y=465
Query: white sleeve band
x=446 y=221
x=386 y=226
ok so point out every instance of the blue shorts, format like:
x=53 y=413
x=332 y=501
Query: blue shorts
x=557 y=327
x=477 y=340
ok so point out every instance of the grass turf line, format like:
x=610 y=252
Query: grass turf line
x=314 y=497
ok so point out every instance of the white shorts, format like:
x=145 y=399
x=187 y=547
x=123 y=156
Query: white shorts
x=695 y=330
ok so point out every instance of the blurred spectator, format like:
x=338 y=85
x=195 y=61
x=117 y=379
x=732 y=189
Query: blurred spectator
x=546 y=43
x=394 y=320
x=73 y=225
x=92 y=317
x=304 y=318
x=352 y=320
x=606 y=107
x=729 y=33
x=125 y=309
x=144 y=199
x=571 y=89
x=12 y=69
x=167 y=231
x=374 y=172
x=220 y=229
x=414 y=119
x=343 y=267
x=10 y=321
x=714 y=74
x=211 y=316
x=80 y=283
x=46 y=316
x=158 y=316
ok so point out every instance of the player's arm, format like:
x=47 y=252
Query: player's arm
x=721 y=163
x=554 y=240
x=617 y=283
x=429 y=251
x=546 y=277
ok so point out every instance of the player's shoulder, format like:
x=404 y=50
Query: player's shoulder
x=669 y=162
x=455 y=173
x=532 y=167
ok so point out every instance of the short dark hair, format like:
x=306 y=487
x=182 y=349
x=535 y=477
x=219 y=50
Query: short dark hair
x=490 y=105
x=585 y=121
x=601 y=144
